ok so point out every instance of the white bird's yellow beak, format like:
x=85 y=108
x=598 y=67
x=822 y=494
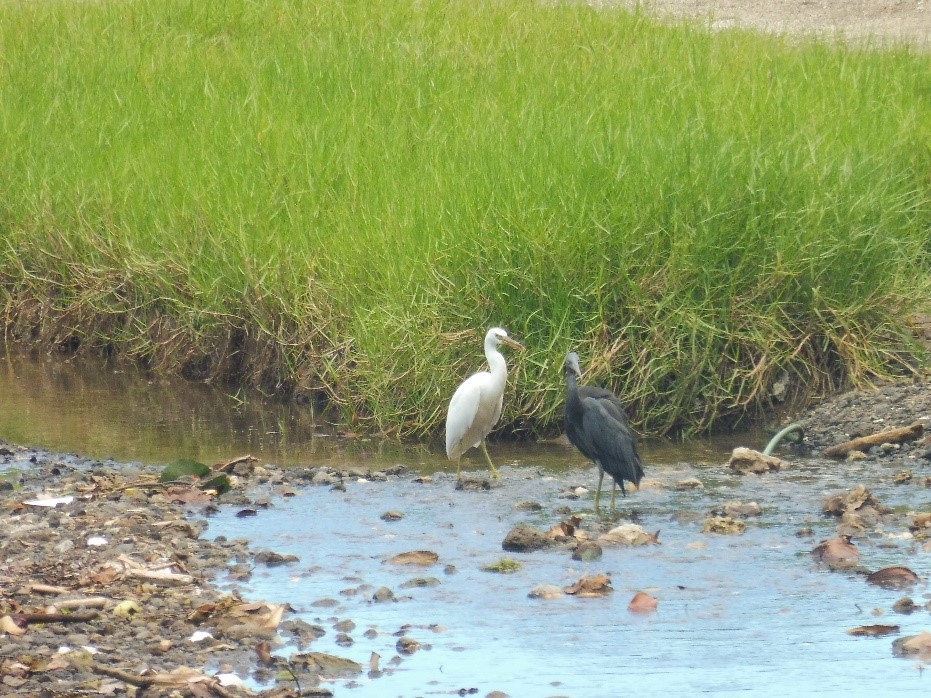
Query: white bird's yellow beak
x=512 y=343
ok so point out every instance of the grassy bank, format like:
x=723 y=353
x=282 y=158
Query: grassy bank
x=337 y=198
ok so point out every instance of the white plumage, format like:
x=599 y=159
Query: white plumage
x=476 y=405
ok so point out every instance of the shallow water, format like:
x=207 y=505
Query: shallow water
x=105 y=411
x=736 y=614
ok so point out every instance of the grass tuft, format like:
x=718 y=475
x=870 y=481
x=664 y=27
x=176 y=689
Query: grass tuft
x=336 y=199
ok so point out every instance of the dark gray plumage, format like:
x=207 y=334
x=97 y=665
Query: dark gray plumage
x=597 y=425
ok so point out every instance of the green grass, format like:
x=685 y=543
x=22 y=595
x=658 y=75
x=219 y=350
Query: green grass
x=336 y=199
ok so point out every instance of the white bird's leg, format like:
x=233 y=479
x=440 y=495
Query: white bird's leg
x=494 y=470
x=601 y=476
x=458 y=463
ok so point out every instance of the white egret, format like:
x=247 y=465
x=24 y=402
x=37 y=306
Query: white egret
x=597 y=425
x=476 y=405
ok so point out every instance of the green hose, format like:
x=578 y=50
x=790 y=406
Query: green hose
x=773 y=442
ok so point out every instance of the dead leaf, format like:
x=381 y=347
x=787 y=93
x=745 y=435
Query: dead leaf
x=263 y=650
x=57 y=662
x=273 y=618
x=595 y=585
x=837 y=553
x=416 y=557
x=896 y=577
x=188 y=495
x=642 y=603
x=103 y=577
x=200 y=690
x=182 y=676
x=873 y=630
x=857 y=498
x=9 y=627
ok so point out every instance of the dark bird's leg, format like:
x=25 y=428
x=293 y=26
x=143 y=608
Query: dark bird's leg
x=613 y=492
x=494 y=470
x=601 y=476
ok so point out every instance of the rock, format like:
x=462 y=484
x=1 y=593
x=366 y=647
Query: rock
x=420 y=582
x=424 y=558
x=724 y=525
x=503 y=566
x=692 y=483
x=921 y=524
x=587 y=551
x=524 y=539
x=407 y=645
x=273 y=559
x=392 y=516
x=327 y=666
x=546 y=591
x=746 y=460
x=322 y=477
x=471 y=484
x=740 y=509
x=629 y=534
x=905 y=606
x=382 y=595
x=913 y=647
x=528 y=506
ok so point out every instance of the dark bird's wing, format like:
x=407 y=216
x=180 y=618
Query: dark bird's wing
x=610 y=439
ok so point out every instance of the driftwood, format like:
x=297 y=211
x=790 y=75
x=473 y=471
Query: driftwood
x=909 y=433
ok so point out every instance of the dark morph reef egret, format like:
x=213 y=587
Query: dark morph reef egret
x=597 y=425
x=476 y=405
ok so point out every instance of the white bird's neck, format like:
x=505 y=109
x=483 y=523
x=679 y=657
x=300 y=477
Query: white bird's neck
x=496 y=363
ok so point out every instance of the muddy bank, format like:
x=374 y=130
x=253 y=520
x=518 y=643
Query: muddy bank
x=107 y=585
x=878 y=21
x=860 y=413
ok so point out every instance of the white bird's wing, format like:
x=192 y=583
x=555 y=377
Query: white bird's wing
x=463 y=407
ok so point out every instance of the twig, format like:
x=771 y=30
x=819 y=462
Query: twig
x=89 y=602
x=132 y=679
x=153 y=485
x=227 y=465
x=30 y=618
x=48 y=589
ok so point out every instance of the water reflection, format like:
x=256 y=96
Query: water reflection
x=102 y=410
